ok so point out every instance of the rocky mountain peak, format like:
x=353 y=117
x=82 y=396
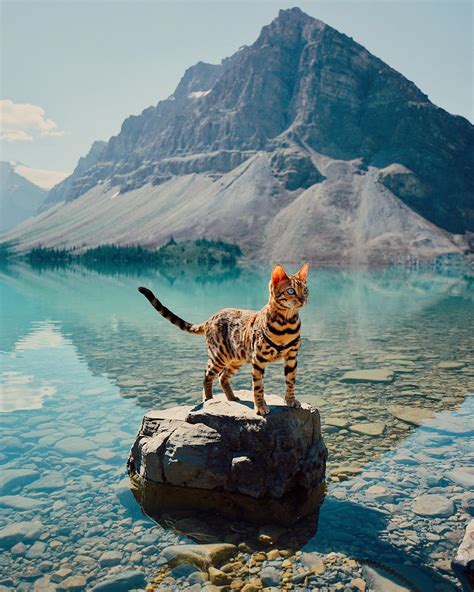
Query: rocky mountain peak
x=302 y=88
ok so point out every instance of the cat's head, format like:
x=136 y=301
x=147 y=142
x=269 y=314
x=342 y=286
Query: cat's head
x=289 y=291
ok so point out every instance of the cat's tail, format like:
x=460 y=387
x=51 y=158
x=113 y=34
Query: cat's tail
x=165 y=312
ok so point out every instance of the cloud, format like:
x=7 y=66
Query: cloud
x=22 y=122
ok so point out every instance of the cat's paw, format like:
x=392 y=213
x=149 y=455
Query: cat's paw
x=293 y=403
x=262 y=409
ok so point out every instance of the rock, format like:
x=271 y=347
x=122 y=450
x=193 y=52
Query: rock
x=20 y=532
x=433 y=504
x=19 y=502
x=463 y=562
x=382 y=375
x=18 y=549
x=36 y=550
x=73 y=583
x=313 y=562
x=12 y=478
x=202 y=556
x=358 y=584
x=336 y=422
x=61 y=574
x=413 y=415
x=374 y=428
x=110 y=558
x=184 y=570
x=463 y=476
x=225 y=445
x=74 y=445
x=451 y=365
x=270 y=576
x=49 y=482
x=218 y=577
x=122 y=581
x=381 y=581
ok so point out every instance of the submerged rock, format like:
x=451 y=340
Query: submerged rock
x=20 y=531
x=224 y=446
x=382 y=375
x=413 y=415
x=433 y=505
x=202 y=556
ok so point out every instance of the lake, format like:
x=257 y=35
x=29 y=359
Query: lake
x=84 y=355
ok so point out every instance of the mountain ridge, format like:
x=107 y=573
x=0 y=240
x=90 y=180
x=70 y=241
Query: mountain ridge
x=20 y=198
x=300 y=93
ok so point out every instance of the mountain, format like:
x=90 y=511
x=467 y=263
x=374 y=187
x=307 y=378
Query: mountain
x=301 y=145
x=19 y=198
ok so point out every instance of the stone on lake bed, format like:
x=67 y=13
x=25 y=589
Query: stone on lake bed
x=270 y=576
x=19 y=502
x=122 y=581
x=202 y=556
x=433 y=504
x=374 y=428
x=463 y=476
x=49 y=482
x=337 y=422
x=75 y=445
x=20 y=531
x=451 y=365
x=12 y=478
x=110 y=558
x=381 y=375
x=73 y=583
x=414 y=415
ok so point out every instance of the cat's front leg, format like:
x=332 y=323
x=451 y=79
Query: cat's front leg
x=257 y=382
x=290 y=378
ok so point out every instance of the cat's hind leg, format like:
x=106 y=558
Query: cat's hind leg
x=224 y=379
x=212 y=370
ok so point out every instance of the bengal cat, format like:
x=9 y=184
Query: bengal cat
x=235 y=337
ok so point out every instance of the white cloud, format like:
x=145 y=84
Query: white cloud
x=41 y=177
x=22 y=122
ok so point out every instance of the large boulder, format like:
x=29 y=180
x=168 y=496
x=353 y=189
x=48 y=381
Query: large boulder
x=225 y=446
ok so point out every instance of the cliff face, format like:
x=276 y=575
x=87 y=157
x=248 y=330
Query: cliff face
x=301 y=92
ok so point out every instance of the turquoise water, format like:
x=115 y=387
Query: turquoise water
x=83 y=355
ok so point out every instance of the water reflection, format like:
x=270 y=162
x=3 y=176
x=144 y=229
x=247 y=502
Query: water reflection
x=83 y=355
x=213 y=516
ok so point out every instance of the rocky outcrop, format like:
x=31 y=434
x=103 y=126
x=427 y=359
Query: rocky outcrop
x=224 y=446
x=463 y=563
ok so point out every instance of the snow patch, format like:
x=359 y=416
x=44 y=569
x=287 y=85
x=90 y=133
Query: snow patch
x=197 y=94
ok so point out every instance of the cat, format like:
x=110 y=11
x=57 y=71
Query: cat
x=235 y=337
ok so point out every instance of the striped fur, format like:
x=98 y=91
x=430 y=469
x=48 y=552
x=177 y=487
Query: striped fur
x=236 y=337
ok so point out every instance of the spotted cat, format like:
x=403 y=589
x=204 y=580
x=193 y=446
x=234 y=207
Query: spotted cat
x=236 y=337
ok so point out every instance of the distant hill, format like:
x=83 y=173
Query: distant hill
x=302 y=145
x=19 y=198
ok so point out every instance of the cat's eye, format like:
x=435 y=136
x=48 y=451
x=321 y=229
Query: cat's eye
x=305 y=290
x=290 y=291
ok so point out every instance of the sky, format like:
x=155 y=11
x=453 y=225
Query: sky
x=73 y=70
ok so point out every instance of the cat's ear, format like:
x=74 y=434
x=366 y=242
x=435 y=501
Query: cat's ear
x=278 y=275
x=302 y=273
